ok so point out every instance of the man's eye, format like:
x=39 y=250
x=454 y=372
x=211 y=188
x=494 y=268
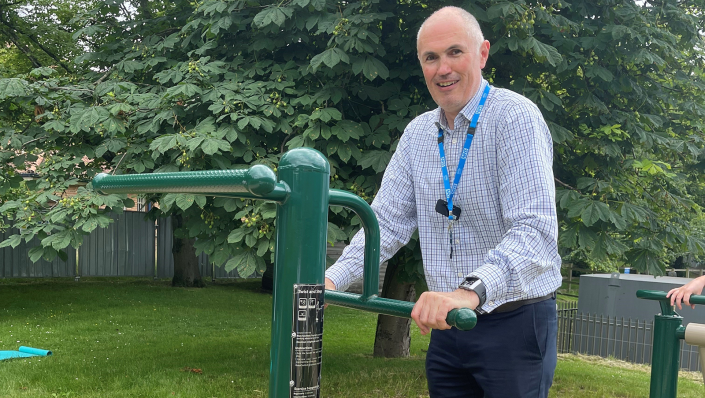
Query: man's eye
x=455 y=51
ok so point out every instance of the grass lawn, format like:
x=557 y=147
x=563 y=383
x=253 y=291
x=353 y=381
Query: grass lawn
x=141 y=338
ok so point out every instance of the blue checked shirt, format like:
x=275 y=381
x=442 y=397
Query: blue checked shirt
x=507 y=232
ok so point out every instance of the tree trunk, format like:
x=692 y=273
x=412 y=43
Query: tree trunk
x=392 y=338
x=186 y=272
x=268 y=278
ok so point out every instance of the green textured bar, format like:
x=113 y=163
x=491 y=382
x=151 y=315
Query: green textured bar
x=658 y=295
x=461 y=318
x=258 y=181
x=300 y=258
x=370 y=282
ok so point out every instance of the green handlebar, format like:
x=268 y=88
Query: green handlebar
x=258 y=181
x=461 y=318
x=658 y=295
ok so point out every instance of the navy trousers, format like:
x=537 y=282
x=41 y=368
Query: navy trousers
x=507 y=355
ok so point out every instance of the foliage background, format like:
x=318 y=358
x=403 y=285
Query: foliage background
x=167 y=86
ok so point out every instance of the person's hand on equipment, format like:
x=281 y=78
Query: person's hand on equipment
x=329 y=286
x=683 y=293
x=431 y=309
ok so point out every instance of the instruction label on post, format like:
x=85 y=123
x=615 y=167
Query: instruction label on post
x=306 y=341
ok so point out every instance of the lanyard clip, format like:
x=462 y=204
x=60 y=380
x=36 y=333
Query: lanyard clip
x=440 y=132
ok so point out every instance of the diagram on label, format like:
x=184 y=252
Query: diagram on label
x=306 y=341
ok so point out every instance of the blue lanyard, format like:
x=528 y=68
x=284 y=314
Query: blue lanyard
x=450 y=189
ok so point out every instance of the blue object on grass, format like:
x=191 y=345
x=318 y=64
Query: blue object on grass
x=24 y=352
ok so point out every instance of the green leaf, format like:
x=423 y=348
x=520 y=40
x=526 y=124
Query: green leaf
x=618 y=220
x=373 y=68
x=330 y=57
x=631 y=212
x=262 y=247
x=568 y=238
x=351 y=129
x=184 y=200
x=335 y=234
x=250 y=240
x=276 y=15
x=220 y=255
x=378 y=160
x=12 y=241
x=268 y=210
x=576 y=207
x=200 y=200
x=167 y=201
x=56 y=125
x=236 y=235
x=35 y=253
x=344 y=153
x=646 y=260
x=234 y=262
x=586 y=238
x=13 y=87
x=212 y=145
x=595 y=211
x=545 y=52
x=164 y=143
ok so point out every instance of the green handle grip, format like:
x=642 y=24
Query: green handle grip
x=461 y=318
x=659 y=295
x=258 y=181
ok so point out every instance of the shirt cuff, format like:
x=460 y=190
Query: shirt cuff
x=341 y=276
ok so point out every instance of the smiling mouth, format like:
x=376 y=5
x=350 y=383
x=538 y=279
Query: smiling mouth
x=447 y=84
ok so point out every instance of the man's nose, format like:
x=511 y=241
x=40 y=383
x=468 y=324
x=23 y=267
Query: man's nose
x=444 y=68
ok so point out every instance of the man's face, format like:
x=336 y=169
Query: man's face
x=451 y=62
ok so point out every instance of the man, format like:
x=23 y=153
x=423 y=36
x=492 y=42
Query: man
x=490 y=245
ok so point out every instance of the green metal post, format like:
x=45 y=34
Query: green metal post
x=665 y=361
x=302 y=224
x=668 y=331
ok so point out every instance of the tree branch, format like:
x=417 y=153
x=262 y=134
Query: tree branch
x=34 y=40
x=16 y=41
x=566 y=185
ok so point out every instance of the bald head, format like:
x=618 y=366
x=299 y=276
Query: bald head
x=472 y=28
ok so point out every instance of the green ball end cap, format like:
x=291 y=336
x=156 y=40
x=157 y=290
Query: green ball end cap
x=98 y=183
x=305 y=159
x=462 y=318
x=262 y=180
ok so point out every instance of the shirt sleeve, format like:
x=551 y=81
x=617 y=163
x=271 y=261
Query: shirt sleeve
x=395 y=208
x=527 y=199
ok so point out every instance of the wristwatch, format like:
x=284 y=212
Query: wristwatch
x=474 y=284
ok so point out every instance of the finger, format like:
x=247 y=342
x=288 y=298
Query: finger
x=686 y=298
x=679 y=300
x=416 y=313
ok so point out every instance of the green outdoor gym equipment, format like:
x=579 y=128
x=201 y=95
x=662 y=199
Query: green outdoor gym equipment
x=668 y=331
x=302 y=194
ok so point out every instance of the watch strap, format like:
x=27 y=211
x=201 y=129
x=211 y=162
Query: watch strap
x=475 y=284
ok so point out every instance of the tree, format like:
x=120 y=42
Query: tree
x=38 y=34
x=222 y=84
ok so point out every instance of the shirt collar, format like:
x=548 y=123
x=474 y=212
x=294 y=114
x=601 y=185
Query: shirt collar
x=467 y=111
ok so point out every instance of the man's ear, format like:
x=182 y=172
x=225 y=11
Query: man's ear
x=484 y=53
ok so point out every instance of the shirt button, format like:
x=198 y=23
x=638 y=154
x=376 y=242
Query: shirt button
x=457 y=241
x=460 y=274
x=491 y=303
x=455 y=141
